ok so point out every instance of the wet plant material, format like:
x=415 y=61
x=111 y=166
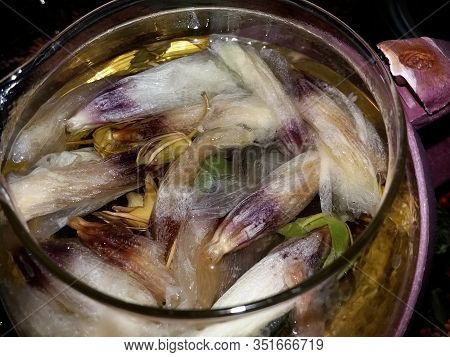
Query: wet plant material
x=205 y=173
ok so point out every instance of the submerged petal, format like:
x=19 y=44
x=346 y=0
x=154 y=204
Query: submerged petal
x=72 y=313
x=152 y=91
x=175 y=192
x=284 y=267
x=48 y=190
x=45 y=132
x=350 y=166
x=138 y=256
x=259 y=78
x=118 y=137
x=289 y=189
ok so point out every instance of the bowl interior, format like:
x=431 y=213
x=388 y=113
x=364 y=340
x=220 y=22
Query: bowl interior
x=105 y=43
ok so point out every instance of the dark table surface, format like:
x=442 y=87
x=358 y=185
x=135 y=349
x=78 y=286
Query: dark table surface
x=27 y=25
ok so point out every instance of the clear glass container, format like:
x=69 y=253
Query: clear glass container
x=107 y=42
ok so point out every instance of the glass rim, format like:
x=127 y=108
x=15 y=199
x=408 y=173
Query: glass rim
x=338 y=265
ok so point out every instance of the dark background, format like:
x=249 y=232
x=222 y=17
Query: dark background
x=39 y=20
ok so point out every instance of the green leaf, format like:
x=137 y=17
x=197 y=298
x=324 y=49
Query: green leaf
x=340 y=238
x=339 y=231
x=211 y=169
x=302 y=226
